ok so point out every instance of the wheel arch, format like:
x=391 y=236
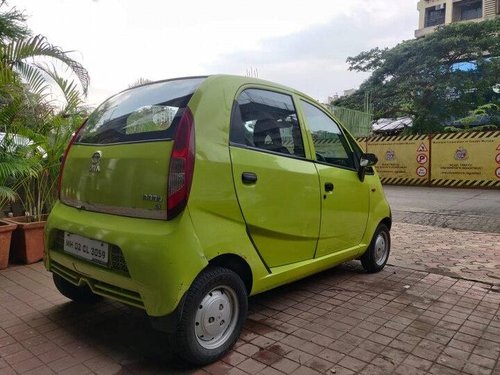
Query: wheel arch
x=236 y=264
x=387 y=221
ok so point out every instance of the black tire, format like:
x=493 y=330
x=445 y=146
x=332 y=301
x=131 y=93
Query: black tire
x=214 y=294
x=377 y=254
x=80 y=294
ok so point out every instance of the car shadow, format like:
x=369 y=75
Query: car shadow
x=124 y=333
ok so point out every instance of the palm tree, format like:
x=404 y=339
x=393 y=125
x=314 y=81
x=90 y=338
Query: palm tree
x=14 y=167
x=32 y=61
x=30 y=67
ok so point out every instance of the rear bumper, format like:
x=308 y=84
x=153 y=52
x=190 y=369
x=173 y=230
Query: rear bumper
x=162 y=258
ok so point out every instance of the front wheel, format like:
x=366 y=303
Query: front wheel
x=214 y=312
x=377 y=254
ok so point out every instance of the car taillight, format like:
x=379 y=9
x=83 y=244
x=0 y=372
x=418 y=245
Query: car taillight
x=63 y=160
x=180 y=174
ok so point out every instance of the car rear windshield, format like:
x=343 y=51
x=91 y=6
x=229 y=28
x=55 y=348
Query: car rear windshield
x=144 y=113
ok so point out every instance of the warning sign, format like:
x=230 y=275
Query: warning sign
x=422 y=148
x=422 y=171
x=466 y=159
x=400 y=158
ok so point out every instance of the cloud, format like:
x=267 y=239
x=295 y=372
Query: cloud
x=314 y=60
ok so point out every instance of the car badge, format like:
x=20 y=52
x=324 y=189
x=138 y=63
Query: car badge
x=95 y=162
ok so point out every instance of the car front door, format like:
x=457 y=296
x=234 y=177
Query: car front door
x=344 y=198
x=277 y=188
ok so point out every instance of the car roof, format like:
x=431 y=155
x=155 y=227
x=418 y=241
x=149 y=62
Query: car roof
x=240 y=80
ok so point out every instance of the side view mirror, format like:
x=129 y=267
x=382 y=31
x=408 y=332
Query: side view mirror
x=367 y=160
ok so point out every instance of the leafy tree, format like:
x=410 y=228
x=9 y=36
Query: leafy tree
x=422 y=78
x=141 y=81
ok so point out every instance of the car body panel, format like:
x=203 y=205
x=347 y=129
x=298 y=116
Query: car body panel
x=148 y=246
x=282 y=208
x=344 y=211
x=165 y=256
x=128 y=174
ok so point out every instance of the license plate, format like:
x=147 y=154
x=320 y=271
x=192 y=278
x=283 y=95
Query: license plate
x=95 y=251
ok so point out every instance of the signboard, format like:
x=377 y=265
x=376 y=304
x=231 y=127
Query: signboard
x=362 y=143
x=402 y=160
x=469 y=159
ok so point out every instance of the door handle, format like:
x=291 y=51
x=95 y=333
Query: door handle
x=249 y=178
x=328 y=186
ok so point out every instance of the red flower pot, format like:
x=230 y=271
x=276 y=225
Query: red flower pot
x=27 y=240
x=6 y=229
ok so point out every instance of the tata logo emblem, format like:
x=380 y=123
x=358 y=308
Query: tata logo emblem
x=95 y=162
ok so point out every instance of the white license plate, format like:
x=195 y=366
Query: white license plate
x=95 y=251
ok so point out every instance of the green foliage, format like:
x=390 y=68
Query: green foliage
x=39 y=189
x=13 y=168
x=11 y=24
x=490 y=112
x=30 y=67
x=32 y=60
x=419 y=78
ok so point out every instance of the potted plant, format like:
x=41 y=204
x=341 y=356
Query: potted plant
x=6 y=229
x=37 y=191
x=13 y=167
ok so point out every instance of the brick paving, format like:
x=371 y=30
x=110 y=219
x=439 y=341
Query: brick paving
x=456 y=253
x=403 y=320
x=450 y=219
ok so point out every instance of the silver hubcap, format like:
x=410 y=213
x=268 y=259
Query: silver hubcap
x=216 y=317
x=381 y=249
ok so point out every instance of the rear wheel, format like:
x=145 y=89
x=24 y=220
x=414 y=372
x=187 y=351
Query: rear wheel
x=214 y=312
x=81 y=294
x=375 y=258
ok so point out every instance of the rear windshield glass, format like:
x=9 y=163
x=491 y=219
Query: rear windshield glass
x=149 y=112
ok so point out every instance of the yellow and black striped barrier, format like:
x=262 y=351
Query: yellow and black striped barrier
x=403 y=181
x=468 y=159
x=465 y=159
x=402 y=160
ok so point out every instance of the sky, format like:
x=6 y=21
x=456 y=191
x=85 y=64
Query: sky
x=301 y=44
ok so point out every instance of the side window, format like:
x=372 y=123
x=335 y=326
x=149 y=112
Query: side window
x=268 y=121
x=329 y=142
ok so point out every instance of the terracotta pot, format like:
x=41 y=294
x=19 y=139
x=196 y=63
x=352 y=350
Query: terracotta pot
x=27 y=240
x=6 y=229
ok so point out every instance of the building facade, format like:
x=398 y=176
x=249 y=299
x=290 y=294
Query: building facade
x=433 y=13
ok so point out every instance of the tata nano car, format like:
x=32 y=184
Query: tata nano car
x=183 y=197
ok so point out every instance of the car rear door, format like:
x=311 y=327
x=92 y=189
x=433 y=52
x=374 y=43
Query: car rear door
x=345 y=200
x=277 y=188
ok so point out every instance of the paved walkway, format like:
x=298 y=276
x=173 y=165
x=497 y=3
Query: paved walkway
x=465 y=209
x=456 y=253
x=415 y=317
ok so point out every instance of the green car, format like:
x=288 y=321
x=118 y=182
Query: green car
x=184 y=197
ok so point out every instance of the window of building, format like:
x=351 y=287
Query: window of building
x=435 y=15
x=467 y=10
